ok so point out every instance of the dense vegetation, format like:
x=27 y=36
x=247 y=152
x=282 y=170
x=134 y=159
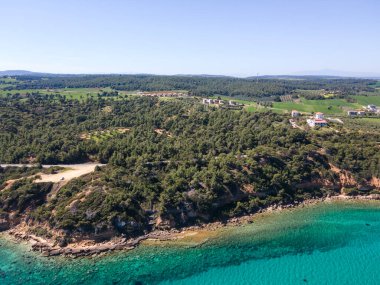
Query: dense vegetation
x=176 y=163
x=198 y=85
x=170 y=162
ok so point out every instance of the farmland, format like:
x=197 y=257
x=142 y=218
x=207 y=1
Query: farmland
x=377 y=84
x=328 y=106
x=308 y=101
x=68 y=93
x=366 y=100
x=327 y=103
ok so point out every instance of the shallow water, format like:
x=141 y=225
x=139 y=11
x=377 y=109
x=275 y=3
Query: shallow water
x=329 y=243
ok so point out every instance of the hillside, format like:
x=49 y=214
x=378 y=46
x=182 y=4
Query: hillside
x=170 y=164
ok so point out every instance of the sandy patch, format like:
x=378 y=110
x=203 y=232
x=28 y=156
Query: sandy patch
x=70 y=172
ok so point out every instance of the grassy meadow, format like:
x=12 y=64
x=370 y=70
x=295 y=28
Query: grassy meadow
x=68 y=93
x=328 y=106
x=366 y=100
x=377 y=85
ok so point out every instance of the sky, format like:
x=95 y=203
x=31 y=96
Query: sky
x=236 y=37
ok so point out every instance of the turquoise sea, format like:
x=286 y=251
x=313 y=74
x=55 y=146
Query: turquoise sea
x=328 y=243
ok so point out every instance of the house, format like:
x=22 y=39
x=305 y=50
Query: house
x=317 y=121
x=372 y=108
x=207 y=101
x=353 y=113
x=163 y=94
x=212 y=101
x=319 y=116
x=234 y=104
x=320 y=123
x=295 y=114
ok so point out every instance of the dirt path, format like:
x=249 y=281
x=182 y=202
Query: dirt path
x=71 y=171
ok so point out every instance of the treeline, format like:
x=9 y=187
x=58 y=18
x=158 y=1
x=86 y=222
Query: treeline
x=197 y=85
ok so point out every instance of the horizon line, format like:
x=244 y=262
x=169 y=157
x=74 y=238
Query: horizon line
x=363 y=75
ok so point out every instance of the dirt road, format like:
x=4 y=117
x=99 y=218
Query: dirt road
x=71 y=171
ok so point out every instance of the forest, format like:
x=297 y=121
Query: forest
x=169 y=163
x=199 y=85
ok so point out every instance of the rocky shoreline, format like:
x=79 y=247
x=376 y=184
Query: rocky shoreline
x=88 y=248
x=85 y=248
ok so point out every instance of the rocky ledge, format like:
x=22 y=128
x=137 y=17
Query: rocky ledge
x=47 y=248
x=89 y=248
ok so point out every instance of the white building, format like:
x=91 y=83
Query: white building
x=372 y=108
x=319 y=116
x=207 y=101
x=212 y=101
x=317 y=121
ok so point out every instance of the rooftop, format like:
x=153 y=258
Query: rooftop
x=320 y=121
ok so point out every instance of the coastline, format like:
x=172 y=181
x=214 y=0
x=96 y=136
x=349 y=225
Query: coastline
x=195 y=234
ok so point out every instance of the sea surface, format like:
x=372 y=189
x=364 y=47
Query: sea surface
x=328 y=243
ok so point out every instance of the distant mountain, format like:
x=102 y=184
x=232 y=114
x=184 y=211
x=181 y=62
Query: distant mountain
x=295 y=77
x=339 y=73
x=304 y=75
x=204 y=75
x=18 y=73
x=32 y=73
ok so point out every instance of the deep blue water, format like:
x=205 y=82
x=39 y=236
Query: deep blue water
x=329 y=243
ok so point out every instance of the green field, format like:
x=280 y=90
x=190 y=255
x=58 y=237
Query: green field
x=366 y=100
x=328 y=106
x=69 y=93
x=5 y=85
x=7 y=80
x=241 y=101
x=377 y=85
